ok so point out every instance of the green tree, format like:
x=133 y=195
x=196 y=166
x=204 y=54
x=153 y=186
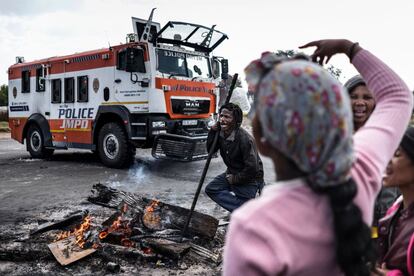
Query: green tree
x=335 y=72
x=286 y=53
x=3 y=95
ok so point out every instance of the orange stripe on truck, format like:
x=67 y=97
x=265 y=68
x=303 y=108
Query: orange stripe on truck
x=172 y=87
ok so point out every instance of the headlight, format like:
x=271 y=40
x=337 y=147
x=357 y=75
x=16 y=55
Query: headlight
x=157 y=132
x=190 y=122
x=158 y=124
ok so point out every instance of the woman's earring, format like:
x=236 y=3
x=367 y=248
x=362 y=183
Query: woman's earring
x=263 y=140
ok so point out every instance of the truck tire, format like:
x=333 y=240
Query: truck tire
x=35 y=143
x=114 y=149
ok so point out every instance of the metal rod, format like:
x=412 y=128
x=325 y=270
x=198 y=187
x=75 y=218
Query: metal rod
x=210 y=155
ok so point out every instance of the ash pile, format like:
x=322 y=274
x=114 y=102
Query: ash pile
x=118 y=233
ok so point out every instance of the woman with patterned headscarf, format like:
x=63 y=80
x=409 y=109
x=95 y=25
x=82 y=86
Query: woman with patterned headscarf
x=314 y=219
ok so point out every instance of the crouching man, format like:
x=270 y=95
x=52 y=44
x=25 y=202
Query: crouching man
x=244 y=174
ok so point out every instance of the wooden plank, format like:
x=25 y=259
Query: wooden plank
x=168 y=248
x=112 y=251
x=67 y=252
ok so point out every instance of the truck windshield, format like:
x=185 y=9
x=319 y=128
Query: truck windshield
x=182 y=64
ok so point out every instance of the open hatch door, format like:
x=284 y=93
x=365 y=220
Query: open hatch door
x=139 y=26
x=201 y=38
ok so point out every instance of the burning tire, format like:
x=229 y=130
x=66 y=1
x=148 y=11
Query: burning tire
x=113 y=147
x=35 y=143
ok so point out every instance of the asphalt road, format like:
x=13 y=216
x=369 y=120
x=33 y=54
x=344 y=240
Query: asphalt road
x=28 y=186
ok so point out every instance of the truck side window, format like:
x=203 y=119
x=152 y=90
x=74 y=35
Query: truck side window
x=56 y=91
x=40 y=80
x=83 y=89
x=26 y=81
x=69 y=90
x=131 y=60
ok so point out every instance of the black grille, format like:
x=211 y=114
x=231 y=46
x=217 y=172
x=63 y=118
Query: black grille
x=181 y=148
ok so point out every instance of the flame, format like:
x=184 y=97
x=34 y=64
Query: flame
x=116 y=224
x=103 y=235
x=147 y=250
x=121 y=226
x=62 y=235
x=127 y=242
x=124 y=208
x=153 y=205
x=78 y=232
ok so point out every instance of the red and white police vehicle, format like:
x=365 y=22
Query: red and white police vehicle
x=157 y=90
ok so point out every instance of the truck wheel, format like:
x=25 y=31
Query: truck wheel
x=113 y=147
x=35 y=143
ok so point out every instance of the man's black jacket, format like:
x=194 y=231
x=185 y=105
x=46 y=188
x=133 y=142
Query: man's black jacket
x=240 y=155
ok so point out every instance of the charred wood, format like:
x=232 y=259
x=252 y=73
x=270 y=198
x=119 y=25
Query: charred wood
x=205 y=254
x=112 y=198
x=168 y=248
x=169 y=234
x=157 y=216
x=24 y=251
x=27 y=251
x=109 y=251
x=61 y=224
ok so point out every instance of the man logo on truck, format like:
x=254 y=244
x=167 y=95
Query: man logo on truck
x=192 y=104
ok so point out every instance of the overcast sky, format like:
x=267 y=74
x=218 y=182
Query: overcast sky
x=43 y=28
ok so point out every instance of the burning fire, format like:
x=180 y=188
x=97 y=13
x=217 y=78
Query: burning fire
x=152 y=219
x=147 y=250
x=114 y=227
x=121 y=226
x=127 y=242
x=103 y=235
x=78 y=232
x=153 y=205
x=124 y=208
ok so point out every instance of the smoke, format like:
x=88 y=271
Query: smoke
x=137 y=173
x=136 y=176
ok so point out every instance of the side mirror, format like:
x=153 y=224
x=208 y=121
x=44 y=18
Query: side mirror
x=224 y=69
x=215 y=66
x=131 y=60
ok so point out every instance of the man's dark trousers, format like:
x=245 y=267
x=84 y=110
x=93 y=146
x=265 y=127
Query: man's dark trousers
x=220 y=190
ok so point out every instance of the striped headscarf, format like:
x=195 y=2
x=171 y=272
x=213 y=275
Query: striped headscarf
x=305 y=114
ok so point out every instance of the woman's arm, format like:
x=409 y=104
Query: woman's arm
x=383 y=131
x=376 y=142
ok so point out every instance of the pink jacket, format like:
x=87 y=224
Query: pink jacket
x=392 y=211
x=289 y=229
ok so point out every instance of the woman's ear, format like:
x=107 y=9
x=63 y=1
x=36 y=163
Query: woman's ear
x=261 y=142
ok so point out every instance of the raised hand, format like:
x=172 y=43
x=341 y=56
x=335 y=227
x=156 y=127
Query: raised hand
x=216 y=126
x=326 y=48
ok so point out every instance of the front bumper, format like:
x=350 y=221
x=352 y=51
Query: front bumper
x=179 y=147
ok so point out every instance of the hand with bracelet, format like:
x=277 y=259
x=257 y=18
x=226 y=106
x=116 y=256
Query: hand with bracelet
x=325 y=49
